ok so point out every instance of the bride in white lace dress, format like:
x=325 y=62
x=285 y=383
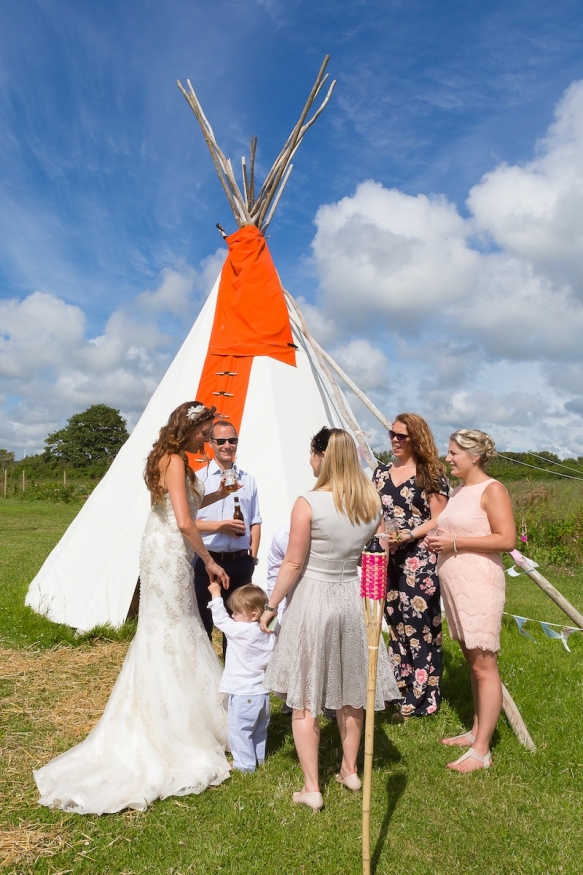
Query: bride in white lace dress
x=163 y=732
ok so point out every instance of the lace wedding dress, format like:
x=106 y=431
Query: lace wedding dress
x=163 y=732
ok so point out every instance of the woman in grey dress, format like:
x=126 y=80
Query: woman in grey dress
x=321 y=657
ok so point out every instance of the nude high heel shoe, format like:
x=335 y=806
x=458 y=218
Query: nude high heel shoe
x=312 y=800
x=352 y=782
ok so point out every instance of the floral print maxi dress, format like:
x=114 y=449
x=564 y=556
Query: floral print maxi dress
x=413 y=605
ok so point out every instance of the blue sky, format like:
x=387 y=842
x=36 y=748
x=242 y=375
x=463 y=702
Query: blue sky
x=431 y=224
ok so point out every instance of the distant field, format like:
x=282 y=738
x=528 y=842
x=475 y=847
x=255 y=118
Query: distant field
x=522 y=816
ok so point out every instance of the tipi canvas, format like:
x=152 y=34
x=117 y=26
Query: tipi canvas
x=247 y=332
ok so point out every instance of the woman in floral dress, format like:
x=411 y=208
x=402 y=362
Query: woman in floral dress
x=413 y=490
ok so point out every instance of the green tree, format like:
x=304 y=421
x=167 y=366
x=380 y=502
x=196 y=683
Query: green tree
x=94 y=436
x=6 y=458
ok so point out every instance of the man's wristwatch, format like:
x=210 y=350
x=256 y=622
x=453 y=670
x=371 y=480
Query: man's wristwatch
x=267 y=607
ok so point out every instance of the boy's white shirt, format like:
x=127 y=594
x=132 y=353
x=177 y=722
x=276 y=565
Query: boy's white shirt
x=247 y=654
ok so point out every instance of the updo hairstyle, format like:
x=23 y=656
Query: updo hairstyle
x=476 y=443
x=319 y=442
x=173 y=440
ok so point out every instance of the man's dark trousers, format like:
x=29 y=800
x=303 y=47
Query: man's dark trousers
x=239 y=568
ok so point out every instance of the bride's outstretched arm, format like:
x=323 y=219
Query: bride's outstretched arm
x=175 y=476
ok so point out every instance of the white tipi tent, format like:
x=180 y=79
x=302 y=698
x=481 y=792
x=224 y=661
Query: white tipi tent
x=90 y=576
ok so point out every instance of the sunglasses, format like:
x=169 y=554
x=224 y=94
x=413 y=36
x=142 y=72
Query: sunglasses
x=220 y=441
x=400 y=437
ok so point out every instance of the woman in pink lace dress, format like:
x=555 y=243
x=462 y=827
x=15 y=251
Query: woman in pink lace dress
x=475 y=527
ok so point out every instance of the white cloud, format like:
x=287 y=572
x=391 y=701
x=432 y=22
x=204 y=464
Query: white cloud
x=534 y=211
x=50 y=369
x=210 y=270
x=37 y=333
x=382 y=252
x=173 y=293
x=462 y=305
x=518 y=313
x=368 y=363
x=323 y=329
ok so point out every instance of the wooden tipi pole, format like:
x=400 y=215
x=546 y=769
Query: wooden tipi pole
x=528 y=567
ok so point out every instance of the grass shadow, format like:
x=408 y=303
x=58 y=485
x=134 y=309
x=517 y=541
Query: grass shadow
x=279 y=732
x=280 y=735
x=385 y=751
x=456 y=687
x=395 y=788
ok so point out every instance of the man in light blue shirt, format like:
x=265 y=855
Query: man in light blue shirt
x=232 y=544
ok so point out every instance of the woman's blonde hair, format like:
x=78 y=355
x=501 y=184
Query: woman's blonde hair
x=354 y=495
x=477 y=443
x=173 y=440
x=429 y=471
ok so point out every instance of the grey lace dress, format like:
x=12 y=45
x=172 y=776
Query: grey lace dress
x=321 y=655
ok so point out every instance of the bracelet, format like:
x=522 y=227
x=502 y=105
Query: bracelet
x=267 y=607
x=455 y=545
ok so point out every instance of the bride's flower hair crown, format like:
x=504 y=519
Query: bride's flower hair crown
x=199 y=413
x=193 y=412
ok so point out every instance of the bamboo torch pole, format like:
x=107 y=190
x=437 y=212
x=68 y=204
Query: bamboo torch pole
x=373 y=590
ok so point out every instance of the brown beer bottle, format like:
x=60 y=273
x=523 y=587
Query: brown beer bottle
x=238 y=515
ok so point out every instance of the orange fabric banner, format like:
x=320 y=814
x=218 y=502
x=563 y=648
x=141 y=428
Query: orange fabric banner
x=251 y=316
x=251 y=319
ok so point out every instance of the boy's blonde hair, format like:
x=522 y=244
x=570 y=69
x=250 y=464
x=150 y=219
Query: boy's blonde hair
x=248 y=599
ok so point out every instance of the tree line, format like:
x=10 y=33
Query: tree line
x=519 y=466
x=85 y=447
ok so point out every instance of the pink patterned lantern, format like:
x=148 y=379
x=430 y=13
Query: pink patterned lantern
x=373 y=582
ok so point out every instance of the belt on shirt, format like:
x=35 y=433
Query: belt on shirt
x=229 y=556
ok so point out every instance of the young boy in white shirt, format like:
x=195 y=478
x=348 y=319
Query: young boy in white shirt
x=245 y=662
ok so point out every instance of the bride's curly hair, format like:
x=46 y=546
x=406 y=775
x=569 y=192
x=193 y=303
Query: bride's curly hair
x=429 y=470
x=173 y=440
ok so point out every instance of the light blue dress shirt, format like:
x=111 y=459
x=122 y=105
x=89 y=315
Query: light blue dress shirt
x=224 y=510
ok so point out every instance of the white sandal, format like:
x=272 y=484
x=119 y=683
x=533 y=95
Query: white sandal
x=450 y=742
x=485 y=760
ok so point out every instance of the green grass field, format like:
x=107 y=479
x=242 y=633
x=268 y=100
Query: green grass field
x=521 y=816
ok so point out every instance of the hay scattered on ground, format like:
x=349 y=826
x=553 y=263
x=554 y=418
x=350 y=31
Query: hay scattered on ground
x=65 y=687
x=52 y=699
x=28 y=842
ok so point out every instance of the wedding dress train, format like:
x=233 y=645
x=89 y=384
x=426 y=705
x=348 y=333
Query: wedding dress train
x=163 y=732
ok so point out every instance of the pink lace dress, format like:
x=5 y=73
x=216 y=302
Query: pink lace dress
x=472 y=584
